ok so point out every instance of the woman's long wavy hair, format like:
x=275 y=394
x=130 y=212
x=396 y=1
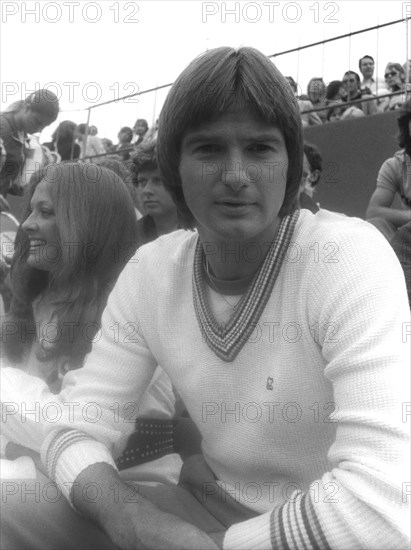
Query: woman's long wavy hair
x=97 y=232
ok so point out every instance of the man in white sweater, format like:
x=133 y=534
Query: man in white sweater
x=286 y=334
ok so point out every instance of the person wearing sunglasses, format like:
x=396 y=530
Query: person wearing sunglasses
x=395 y=79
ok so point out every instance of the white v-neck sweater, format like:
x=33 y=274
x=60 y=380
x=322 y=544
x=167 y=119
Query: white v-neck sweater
x=307 y=426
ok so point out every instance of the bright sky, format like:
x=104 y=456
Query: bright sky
x=89 y=52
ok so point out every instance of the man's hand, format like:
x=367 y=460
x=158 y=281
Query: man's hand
x=129 y=520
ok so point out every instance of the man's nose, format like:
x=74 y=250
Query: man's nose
x=234 y=171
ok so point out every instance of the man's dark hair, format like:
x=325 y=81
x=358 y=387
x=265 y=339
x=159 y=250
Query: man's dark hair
x=356 y=75
x=314 y=158
x=128 y=130
x=214 y=83
x=333 y=88
x=404 y=138
x=365 y=57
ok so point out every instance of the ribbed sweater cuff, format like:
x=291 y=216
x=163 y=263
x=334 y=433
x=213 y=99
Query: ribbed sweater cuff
x=253 y=534
x=69 y=453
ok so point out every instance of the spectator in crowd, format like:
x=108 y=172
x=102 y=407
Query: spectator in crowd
x=394 y=179
x=123 y=147
x=63 y=141
x=8 y=229
x=313 y=169
x=93 y=131
x=197 y=304
x=140 y=129
x=151 y=134
x=335 y=92
x=395 y=80
x=308 y=118
x=316 y=90
x=108 y=145
x=159 y=208
x=401 y=244
x=30 y=116
x=304 y=199
x=78 y=232
x=352 y=84
x=53 y=282
x=339 y=110
x=90 y=146
x=376 y=86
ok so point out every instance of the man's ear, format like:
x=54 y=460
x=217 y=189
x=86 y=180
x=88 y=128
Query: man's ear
x=315 y=176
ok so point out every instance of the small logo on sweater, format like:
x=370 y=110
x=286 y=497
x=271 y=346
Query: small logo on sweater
x=270 y=383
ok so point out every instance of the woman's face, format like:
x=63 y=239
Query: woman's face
x=41 y=229
x=393 y=78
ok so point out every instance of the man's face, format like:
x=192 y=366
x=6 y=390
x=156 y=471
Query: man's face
x=123 y=137
x=367 y=67
x=234 y=173
x=350 y=84
x=156 y=199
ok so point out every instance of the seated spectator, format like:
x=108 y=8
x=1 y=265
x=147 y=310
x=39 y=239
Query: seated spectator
x=308 y=119
x=55 y=282
x=376 y=86
x=323 y=463
x=401 y=243
x=63 y=141
x=316 y=90
x=338 y=110
x=352 y=84
x=78 y=232
x=335 y=92
x=140 y=129
x=108 y=145
x=125 y=137
x=395 y=80
x=151 y=134
x=90 y=146
x=159 y=208
x=394 y=178
x=30 y=116
x=312 y=169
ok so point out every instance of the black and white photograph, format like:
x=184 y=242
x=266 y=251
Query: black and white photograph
x=205 y=275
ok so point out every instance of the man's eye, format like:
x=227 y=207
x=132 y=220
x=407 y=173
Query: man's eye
x=207 y=148
x=260 y=147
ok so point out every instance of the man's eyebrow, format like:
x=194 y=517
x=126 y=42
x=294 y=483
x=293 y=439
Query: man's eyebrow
x=266 y=135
